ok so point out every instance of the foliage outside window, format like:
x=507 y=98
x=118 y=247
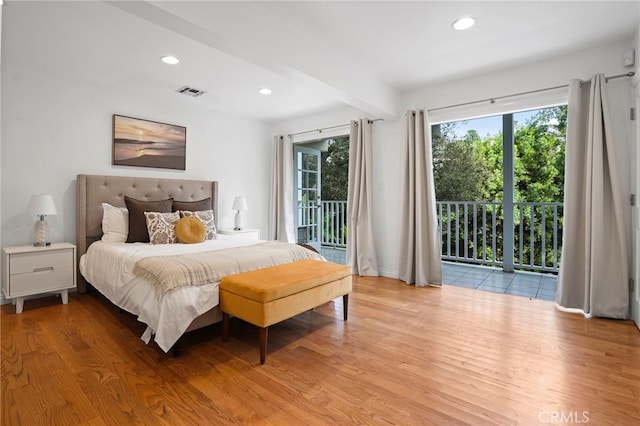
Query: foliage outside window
x=335 y=183
x=469 y=168
x=335 y=169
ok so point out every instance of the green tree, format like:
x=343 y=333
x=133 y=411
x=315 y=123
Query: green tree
x=459 y=169
x=491 y=151
x=539 y=149
x=335 y=170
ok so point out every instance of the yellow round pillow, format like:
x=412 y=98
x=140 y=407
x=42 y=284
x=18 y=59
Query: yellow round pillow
x=190 y=230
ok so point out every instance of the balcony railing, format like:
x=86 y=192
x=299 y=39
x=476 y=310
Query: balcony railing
x=473 y=232
x=334 y=224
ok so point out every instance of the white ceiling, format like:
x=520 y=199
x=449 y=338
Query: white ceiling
x=314 y=55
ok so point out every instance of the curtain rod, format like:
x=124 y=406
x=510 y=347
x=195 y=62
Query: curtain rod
x=493 y=100
x=320 y=130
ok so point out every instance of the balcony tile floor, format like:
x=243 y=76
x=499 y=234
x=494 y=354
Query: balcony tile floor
x=527 y=284
x=334 y=254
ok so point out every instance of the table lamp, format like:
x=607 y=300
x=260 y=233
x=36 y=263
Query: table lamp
x=239 y=203
x=41 y=205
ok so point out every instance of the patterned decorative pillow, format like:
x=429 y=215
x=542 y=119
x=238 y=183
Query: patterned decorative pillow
x=161 y=227
x=190 y=230
x=206 y=216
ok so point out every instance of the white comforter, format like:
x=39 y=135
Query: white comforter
x=109 y=268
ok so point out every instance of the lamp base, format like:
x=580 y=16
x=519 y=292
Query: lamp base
x=41 y=233
x=237 y=222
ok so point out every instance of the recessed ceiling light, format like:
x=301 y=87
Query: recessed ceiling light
x=265 y=91
x=171 y=60
x=463 y=23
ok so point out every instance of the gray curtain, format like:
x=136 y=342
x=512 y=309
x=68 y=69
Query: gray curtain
x=420 y=250
x=281 y=200
x=361 y=250
x=593 y=269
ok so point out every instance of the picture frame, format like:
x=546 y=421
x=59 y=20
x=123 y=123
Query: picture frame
x=145 y=143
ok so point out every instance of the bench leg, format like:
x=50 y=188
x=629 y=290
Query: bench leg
x=225 y=327
x=264 y=332
x=345 y=305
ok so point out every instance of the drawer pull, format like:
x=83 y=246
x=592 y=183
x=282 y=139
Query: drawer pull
x=43 y=269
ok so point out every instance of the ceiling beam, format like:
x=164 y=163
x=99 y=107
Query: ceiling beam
x=249 y=32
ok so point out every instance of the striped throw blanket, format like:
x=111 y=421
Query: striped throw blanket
x=171 y=272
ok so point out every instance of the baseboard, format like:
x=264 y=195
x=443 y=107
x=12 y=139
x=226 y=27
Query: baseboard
x=389 y=273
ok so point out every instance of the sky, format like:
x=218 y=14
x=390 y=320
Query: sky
x=148 y=131
x=489 y=125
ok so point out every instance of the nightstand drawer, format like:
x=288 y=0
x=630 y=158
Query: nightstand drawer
x=30 y=270
x=41 y=281
x=40 y=261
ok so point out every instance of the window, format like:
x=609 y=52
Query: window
x=499 y=186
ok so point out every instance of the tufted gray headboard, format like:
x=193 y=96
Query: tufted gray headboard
x=93 y=190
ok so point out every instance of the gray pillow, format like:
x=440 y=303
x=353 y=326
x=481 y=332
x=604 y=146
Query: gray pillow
x=138 y=232
x=193 y=206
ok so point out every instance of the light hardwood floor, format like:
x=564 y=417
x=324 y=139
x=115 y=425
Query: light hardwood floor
x=406 y=356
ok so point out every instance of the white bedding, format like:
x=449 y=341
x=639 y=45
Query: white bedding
x=109 y=268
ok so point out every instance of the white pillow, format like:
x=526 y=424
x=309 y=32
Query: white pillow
x=115 y=224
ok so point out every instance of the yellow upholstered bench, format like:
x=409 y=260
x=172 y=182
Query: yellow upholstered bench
x=267 y=296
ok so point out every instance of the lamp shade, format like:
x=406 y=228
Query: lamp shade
x=239 y=203
x=42 y=205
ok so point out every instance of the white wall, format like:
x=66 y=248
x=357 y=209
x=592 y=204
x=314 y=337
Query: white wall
x=388 y=134
x=55 y=127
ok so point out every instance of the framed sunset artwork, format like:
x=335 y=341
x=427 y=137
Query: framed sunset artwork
x=145 y=143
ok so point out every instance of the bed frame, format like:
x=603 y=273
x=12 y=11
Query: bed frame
x=93 y=190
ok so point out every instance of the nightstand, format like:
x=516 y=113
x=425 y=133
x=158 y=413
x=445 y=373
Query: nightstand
x=29 y=270
x=244 y=234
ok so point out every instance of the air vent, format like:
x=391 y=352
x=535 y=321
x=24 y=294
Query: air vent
x=191 y=91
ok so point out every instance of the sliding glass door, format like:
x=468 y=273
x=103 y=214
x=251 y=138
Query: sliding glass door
x=499 y=187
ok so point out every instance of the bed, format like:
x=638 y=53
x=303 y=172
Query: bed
x=109 y=266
